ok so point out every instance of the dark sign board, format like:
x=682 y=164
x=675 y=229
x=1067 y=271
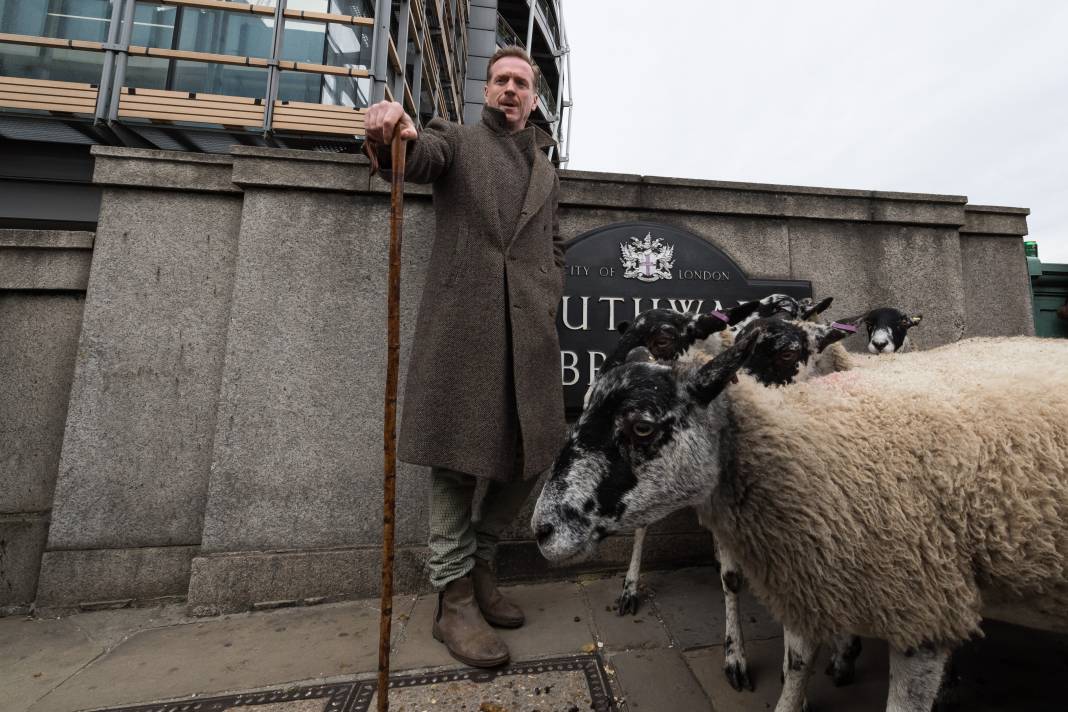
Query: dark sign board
x=618 y=271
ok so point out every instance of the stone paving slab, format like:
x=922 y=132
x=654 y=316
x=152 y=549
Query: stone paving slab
x=690 y=602
x=643 y=630
x=657 y=681
x=867 y=693
x=38 y=655
x=551 y=628
x=230 y=653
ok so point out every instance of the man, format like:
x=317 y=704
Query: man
x=483 y=396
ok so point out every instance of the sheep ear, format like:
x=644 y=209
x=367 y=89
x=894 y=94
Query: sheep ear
x=743 y=311
x=639 y=354
x=622 y=327
x=915 y=321
x=714 y=376
x=816 y=310
x=833 y=332
x=704 y=325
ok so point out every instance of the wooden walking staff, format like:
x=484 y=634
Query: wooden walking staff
x=396 y=222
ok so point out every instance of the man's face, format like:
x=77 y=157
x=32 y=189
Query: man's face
x=511 y=89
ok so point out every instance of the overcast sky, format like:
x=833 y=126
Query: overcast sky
x=941 y=96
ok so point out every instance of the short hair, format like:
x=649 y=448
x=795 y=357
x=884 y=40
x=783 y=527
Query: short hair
x=512 y=51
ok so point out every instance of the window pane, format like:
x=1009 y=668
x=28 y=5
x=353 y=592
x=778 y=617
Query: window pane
x=299 y=86
x=304 y=41
x=223 y=32
x=146 y=73
x=220 y=79
x=65 y=19
x=153 y=26
x=64 y=65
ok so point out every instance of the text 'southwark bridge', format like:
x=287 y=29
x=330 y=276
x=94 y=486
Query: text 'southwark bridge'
x=618 y=271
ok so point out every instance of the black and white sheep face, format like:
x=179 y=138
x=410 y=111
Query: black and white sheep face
x=640 y=450
x=888 y=330
x=667 y=333
x=786 y=350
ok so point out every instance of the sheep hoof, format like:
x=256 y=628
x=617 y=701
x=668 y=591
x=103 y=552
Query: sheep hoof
x=628 y=603
x=738 y=677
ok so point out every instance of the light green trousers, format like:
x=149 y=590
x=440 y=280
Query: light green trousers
x=455 y=539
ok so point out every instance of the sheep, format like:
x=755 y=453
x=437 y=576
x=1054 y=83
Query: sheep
x=888 y=330
x=901 y=501
x=667 y=335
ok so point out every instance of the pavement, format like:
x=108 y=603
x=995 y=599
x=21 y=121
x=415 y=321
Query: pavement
x=668 y=657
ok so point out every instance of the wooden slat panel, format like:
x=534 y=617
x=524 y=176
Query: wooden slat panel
x=191 y=118
x=329 y=17
x=313 y=120
x=166 y=94
x=204 y=114
x=311 y=105
x=327 y=118
x=313 y=110
x=30 y=90
x=394 y=58
x=35 y=41
x=129 y=108
x=45 y=83
x=44 y=105
x=221 y=5
x=162 y=101
x=198 y=56
x=323 y=69
x=307 y=15
x=316 y=129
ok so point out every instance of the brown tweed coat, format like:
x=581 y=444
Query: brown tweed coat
x=484 y=372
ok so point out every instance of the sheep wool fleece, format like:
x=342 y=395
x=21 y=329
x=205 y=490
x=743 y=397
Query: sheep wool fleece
x=893 y=501
x=485 y=359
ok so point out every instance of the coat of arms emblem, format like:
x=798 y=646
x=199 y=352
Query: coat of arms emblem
x=647 y=259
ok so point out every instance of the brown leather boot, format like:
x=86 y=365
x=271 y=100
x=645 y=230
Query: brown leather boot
x=460 y=626
x=496 y=609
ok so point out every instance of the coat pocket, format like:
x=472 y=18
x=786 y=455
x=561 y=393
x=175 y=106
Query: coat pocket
x=456 y=258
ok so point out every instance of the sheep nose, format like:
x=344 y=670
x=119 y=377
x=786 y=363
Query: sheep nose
x=543 y=532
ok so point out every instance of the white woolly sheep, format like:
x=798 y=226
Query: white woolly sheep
x=669 y=335
x=901 y=501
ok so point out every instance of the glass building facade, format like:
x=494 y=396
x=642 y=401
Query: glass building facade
x=204 y=75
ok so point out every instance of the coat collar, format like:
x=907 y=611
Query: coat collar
x=494 y=120
x=542 y=174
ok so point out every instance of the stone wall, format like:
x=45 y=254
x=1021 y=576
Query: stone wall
x=43 y=275
x=223 y=440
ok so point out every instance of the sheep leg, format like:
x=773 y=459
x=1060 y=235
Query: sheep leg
x=734 y=663
x=844 y=654
x=915 y=677
x=628 y=600
x=799 y=656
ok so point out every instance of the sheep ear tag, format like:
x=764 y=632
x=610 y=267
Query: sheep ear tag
x=844 y=327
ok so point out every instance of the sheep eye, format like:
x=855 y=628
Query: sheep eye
x=787 y=357
x=642 y=429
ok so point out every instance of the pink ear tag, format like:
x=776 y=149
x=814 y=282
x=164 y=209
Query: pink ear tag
x=721 y=316
x=844 y=327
